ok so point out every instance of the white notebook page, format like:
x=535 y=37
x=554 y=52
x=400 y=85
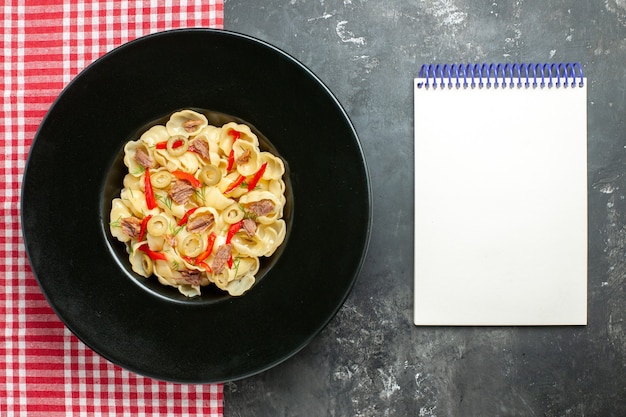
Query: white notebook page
x=500 y=206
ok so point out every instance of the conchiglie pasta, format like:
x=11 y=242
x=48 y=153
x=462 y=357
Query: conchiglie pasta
x=140 y=262
x=156 y=134
x=251 y=198
x=275 y=166
x=232 y=132
x=213 y=197
x=135 y=200
x=272 y=235
x=187 y=162
x=210 y=208
x=211 y=135
x=247 y=157
x=132 y=181
x=119 y=211
x=240 y=286
x=137 y=156
x=253 y=246
x=186 y=123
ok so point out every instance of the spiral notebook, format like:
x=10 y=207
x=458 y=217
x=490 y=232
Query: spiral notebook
x=500 y=195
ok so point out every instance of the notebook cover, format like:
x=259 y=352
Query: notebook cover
x=500 y=206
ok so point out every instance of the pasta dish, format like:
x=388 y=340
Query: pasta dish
x=200 y=204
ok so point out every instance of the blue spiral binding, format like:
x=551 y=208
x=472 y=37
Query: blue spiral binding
x=522 y=75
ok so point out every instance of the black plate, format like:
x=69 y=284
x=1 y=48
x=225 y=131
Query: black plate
x=71 y=176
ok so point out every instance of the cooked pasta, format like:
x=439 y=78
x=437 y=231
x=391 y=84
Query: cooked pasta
x=200 y=204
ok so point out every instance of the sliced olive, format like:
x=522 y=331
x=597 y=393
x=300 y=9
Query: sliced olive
x=157 y=225
x=177 y=145
x=160 y=179
x=191 y=245
x=210 y=175
x=147 y=265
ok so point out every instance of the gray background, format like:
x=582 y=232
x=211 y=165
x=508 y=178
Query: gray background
x=371 y=360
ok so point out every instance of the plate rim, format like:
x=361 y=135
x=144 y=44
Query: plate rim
x=358 y=146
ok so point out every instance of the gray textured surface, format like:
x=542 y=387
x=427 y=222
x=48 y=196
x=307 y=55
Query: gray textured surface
x=371 y=360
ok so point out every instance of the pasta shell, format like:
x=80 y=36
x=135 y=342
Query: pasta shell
x=275 y=167
x=130 y=158
x=187 y=162
x=213 y=197
x=135 y=200
x=154 y=135
x=249 y=246
x=186 y=123
x=245 y=134
x=119 y=210
x=240 y=286
x=247 y=158
x=139 y=262
x=272 y=235
x=257 y=196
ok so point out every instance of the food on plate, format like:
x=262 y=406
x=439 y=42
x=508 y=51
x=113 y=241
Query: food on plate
x=200 y=204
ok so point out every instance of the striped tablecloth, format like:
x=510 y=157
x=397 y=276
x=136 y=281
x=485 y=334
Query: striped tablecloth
x=45 y=370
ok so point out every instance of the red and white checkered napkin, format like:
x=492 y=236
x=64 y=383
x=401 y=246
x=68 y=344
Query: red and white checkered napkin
x=44 y=369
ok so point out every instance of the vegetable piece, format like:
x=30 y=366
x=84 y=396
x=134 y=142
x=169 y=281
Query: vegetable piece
x=146 y=265
x=157 y=225
x=163 y=144
x=177 y=145
x=208 y=250
x=191 y=245
x=152 y=254
x=181 y=175
x=235 y=134
x=235 y=184
x=206 y=266
x=234 y=228
x=185 y=218
x=231 y=155
x=210 y=175
x=148 y=191
x=253 y=182
x=231 y=160
x=144 y=226
x=160 y=179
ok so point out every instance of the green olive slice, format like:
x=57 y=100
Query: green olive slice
x=157 y=225
x=210 y=175
x=177 y=145
x=160 y=179
x=147 y=265
x=191 y=245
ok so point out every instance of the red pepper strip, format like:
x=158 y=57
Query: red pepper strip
x=235 y=134
x=152 y=254
x=231 y=160
x=230 y=262
x=231 y=155
x=144 y=226
x=234 y=228
x=189 y=260
x=235 y=184
x=206 y=267
x=208 y=250
x=185 y=218
x=148 y=191
x=253 y=182
x=163 y=145
x=181 y=175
